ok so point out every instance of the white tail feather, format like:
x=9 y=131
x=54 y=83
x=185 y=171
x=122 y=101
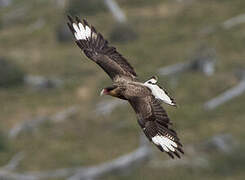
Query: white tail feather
x=158 y=92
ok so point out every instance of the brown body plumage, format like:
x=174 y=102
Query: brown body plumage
x=152 y=118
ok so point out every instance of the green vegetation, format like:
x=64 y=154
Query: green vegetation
x=84 y=7
x=168 y=33
x=10 y=74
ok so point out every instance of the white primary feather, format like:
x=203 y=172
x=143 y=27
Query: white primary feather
x=87 y=32
x=75 y=27
x=158 y=92
x=76 y=36
x=157 y=140
x=164 y=142
x=81 y=32
x=81 y=28
x=79 y=35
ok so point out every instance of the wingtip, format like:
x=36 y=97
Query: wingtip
x=177 y=154
x=180 y=150
x=70 y=27
x=170 y=154
x=78 y=19
x=160 y=148
x=93 y=29
x=70 y=18
x=85 y=22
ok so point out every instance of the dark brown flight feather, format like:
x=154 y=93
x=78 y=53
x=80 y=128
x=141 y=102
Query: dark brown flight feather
x=152 y=118
x=96 y=48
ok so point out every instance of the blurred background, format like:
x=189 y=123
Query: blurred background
x=53 y=123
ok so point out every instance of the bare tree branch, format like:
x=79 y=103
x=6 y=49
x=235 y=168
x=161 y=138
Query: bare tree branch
x=5 y=3
x=175 y=69
x=227 y=24
x=107 y=106
x=40 y=82
x=59 y=173
x=7 y=175
x=203 y=60
x=116 y=11
x=196 y=156
x=234 y=21
x=30 y=125
x=120 y=164
x=14 y=162
x=226 y=96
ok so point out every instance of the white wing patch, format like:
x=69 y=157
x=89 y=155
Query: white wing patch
x=81 y=31
x=159 y=93
x=165 y=143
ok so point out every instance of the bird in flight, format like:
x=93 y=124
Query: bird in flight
x=145 y=98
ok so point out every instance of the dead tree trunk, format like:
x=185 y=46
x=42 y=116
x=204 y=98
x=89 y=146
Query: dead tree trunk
x=226 y=96
x=226 y=25
x=107 y=106
x=121 y=164
x=122 y=31
x=33 y=124
x=203 y=60
x=234 y=21
x=174 y=69
x=116 y=11
x=14 y=162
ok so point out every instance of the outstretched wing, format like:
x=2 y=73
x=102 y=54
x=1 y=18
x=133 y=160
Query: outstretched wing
x=96 y=48
x=155 y=123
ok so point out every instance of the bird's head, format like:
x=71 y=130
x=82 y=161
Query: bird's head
x=109 y=91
